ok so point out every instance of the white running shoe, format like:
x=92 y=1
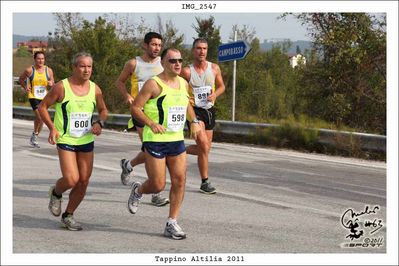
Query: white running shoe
x=134 y=198
x=125 y=175
x=158 y=200
x=174 y=231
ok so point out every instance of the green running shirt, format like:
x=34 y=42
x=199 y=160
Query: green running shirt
x=73 y=116
x=168 y=109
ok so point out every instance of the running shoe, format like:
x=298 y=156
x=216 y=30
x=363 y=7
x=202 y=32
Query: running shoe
x=134 y=198
x=33 y=140
x=70 y=223
x=55 y=203
x=174 y=231
x=158 y=200
x=207 y=188
x=125 y=175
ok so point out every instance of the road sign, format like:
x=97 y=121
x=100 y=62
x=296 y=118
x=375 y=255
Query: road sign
x=233 y=51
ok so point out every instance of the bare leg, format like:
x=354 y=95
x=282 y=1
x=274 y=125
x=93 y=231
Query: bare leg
x=38 y=123
x=76 y=170
x=85 y=165
x=140 y=157
x=156 y=172
x=69 y=170
x=177 y=166
x=202 y=149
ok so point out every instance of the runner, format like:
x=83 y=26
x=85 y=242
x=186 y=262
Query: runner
x=206 y=84
x=165 y=102
x=140 y=69
x=75 y=99
x=36 y=79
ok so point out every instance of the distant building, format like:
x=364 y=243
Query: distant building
x=33 y=46
x=296 y=59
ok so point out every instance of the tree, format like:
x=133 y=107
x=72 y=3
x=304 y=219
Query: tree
x=206 y=29
x=246 y=33
x=101 y=40
x=170 y=35
x=298 y=50
x=348 y=81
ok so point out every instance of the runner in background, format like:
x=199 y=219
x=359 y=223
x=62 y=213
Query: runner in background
x=206 y=84
x=140 y=69
x=36 y=80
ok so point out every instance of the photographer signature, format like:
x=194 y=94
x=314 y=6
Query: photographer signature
x=352 y=220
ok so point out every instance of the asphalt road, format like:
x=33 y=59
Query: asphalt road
x=268 y=201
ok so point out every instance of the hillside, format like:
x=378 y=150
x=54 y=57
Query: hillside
x=303 y=45
x=266 y=45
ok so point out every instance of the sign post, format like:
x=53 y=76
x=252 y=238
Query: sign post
x=233 y=51
x=233 y=108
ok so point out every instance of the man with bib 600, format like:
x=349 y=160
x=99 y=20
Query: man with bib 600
x=75 y=99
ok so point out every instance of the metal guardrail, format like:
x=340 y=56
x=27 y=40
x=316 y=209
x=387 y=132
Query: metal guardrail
x=334 y=138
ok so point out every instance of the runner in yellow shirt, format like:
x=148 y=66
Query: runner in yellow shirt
x=165 y=101
x=140 y=69
x=36 y=80
x=75 y=99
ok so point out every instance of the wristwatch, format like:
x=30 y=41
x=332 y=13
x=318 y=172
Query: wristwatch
x=100 y=122
x=195 y=120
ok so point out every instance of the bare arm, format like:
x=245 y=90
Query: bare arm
x=22 y=79
x=219 y=84
x=56 y=94
x=186 y=74
x=149 y=90
x=102 y=111
x=195 y=128
x=127 y=71
x=50 y=82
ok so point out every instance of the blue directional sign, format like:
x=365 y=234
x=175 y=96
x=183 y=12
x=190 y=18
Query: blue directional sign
x=233 y=51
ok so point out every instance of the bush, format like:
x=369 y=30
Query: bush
x=19 y=96
x=23 y=52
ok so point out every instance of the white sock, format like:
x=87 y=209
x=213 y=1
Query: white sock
x=129 y=166
x=171 y=221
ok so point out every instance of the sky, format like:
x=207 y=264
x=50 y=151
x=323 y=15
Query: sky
x=266 y=25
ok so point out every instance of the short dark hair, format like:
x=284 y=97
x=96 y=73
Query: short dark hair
x=201 y=40
x=37 y=53
x=151 y=35
x=166 y=50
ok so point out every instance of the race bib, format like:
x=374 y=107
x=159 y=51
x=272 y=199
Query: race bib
x=39 y=91
x=201 y=95
x=140 y=85
x=176 y=118
x=80 y=124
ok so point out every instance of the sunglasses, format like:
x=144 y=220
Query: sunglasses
x=175 y=60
